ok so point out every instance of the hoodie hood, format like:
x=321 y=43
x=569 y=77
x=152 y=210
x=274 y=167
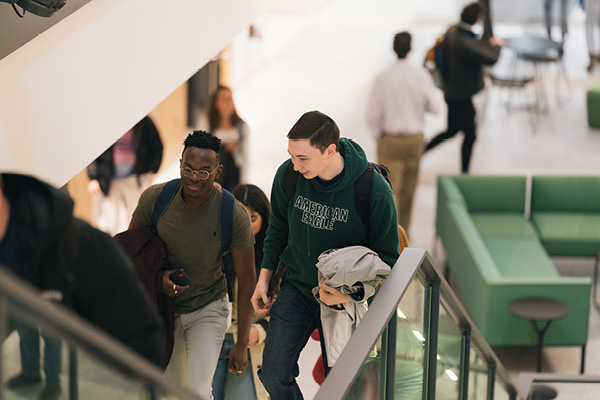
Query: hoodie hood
x=355 y=163
x=41 y=213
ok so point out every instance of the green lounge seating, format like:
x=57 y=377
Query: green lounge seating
x=495 y=255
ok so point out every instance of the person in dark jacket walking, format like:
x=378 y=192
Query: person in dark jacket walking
x=123 y=171
x=465 y=58
x=83 y=268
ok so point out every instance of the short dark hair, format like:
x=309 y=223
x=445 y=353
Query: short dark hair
x=402 y=42
x=471 y=12
x=202 y=140
x=319 y=128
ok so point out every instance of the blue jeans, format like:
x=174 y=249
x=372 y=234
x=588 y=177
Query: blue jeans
x=548 y=13
x=229 y=386
x=294 y=317
x=29 y=345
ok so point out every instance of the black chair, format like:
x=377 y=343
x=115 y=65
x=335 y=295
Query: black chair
x=510 y=84
x=542 y=59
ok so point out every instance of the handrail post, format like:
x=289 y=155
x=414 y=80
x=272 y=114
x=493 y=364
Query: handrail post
x=153 y=390
x=465 y=351
x=383 y=364
x=431 y=326
x=390 y=360
x=491 y=382
x=3 y=335
x=73 y=375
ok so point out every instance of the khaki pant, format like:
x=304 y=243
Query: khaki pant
x=402 y=154
x=198 y=338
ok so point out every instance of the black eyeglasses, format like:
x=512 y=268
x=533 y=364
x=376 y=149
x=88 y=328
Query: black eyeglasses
x=188 y=172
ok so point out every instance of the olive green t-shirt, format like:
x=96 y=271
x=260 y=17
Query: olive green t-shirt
x=193 y=241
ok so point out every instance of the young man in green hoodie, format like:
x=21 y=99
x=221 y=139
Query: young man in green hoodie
x=321 y=215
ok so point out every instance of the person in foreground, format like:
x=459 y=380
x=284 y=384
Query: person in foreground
x=321 y=215
x=74 y=264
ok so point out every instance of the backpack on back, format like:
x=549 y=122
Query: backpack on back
x=148 y=253
x=435 y=61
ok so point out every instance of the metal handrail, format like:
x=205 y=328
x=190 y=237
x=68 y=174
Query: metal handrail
x=412 y=263
x=24 y=302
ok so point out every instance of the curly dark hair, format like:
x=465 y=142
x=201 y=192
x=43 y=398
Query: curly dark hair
x=202 y=140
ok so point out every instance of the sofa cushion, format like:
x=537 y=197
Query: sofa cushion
x=565 y=193
x=520 y=257
x=493 y=193
x=503 y=224
x=569 y=234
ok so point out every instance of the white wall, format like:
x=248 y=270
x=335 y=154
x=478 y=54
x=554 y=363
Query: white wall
x=71 y=92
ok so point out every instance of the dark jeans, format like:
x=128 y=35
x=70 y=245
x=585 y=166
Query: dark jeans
x=29 y=345
x=294 y=317
x=461 y=117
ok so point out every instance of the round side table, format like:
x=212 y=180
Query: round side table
x=539 y=310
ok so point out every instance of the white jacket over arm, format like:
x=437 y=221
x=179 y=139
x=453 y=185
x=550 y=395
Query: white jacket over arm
x=343 y=269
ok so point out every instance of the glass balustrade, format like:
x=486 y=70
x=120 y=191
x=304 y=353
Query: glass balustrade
x=417 y=342
x=59 y=349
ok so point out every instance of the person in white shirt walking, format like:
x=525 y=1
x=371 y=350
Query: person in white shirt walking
x=401 y=96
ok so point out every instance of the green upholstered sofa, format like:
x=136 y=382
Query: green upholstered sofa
x=495 y=255
x=593 y=106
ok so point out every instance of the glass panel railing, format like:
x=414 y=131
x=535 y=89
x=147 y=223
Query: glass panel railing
x=500 y=392
x=478 y=376
x=449 y=350
x=369 y=380
x=410 y=338
x=426 y=345
x=60 y=346
x=31 y=353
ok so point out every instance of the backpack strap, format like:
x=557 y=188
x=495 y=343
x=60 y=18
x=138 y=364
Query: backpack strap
x=226 y=221
x=164 y=199
x=362 y=195
x=290 y=180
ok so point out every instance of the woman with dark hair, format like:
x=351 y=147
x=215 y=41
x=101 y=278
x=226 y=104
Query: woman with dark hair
x=222 y=120
x=247 y=385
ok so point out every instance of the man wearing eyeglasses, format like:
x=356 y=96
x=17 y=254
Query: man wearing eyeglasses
x=190 y=228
